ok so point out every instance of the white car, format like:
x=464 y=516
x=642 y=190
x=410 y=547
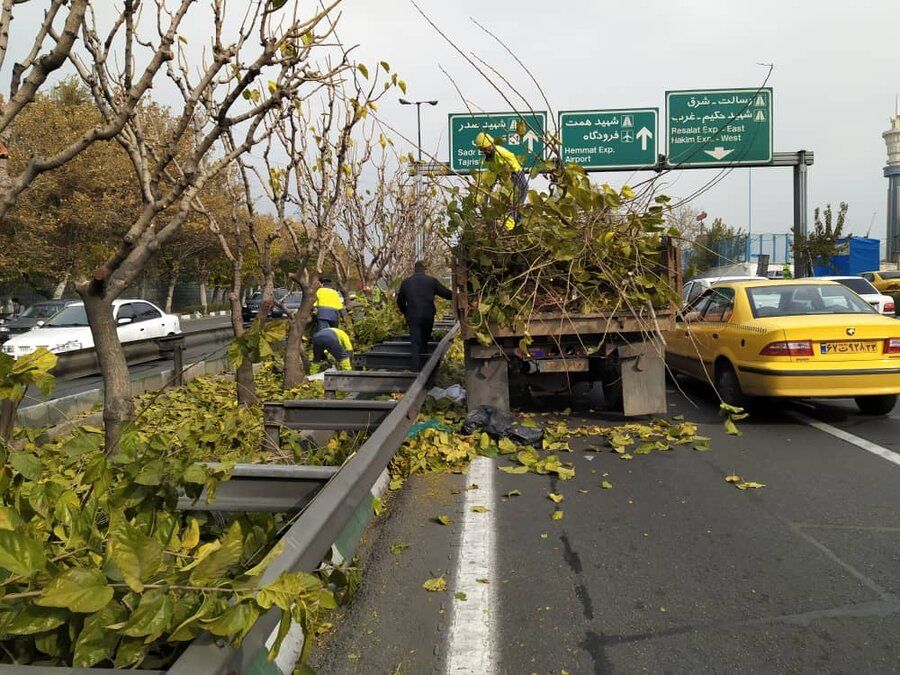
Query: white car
x=68 y=330
x=883 y=304
x=693 y=288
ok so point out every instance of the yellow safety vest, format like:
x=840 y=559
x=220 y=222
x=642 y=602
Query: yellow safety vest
x=502 y=156
x=328 y=298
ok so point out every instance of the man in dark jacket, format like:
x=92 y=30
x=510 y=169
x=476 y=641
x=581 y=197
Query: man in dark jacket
x=416 y=302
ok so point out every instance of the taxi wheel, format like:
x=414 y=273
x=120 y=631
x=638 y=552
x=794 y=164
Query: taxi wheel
x=876 y=405
x=729 y=387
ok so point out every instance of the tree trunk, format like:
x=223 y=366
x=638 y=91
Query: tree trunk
x=117 y=405
x=8 y=410
x=61 y=286
x=170 y=291
x=204 y=305
x=296 y=361
x=246 y=386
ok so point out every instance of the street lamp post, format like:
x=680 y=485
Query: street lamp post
x=420 y=243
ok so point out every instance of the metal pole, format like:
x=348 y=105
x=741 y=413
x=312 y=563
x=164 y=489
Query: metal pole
x=420 y=239
x=749 y=210
x=419 y=128
x=800 y=212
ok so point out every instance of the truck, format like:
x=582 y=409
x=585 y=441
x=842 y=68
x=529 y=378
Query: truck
x=622 y=351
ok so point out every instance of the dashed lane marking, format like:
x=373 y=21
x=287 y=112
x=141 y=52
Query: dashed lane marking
x=471 y=646
x=874 y=448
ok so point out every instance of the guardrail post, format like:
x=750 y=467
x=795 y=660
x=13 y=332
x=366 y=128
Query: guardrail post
x=174 y=345
x=273 y=419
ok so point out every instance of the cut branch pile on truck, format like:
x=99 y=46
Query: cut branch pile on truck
x=571 y=283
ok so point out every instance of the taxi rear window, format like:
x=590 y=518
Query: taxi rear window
x=801 y=300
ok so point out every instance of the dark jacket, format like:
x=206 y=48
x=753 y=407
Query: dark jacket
x=416 y=296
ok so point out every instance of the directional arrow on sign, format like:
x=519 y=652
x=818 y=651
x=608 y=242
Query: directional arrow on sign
x=719 y=152
x=644 y=134
x=531 y=138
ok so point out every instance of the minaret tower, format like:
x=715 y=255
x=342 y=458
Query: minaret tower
x=892 y=173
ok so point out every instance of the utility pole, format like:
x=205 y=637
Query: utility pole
x=420 y=240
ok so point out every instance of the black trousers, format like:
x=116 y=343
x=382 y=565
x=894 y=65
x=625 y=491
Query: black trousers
x=419 y=336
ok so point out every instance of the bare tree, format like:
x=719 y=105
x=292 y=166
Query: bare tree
x=319 y=139
x=222 y=93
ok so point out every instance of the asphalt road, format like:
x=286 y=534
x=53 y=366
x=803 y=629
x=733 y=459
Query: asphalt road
x=670 y=570
x=69 y=387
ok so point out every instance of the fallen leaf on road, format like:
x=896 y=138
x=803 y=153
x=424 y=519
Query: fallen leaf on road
x=544 y=535
x=399 y=547
x=480 y=509
x=513 y=493
x=444 y=520
x=733 y=478
x=584 y=492
x=557 y=515
x=482 y=581
x=606 y=485
x=435 y=584
x=514 y=469
x=459 y=596
x=744 y=485
x=473 y=486
x=377 y=505
x=555 y=497
x=626 y=456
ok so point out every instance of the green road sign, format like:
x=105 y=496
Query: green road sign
x=719 y=127
x=465 y=157
x=609 y=139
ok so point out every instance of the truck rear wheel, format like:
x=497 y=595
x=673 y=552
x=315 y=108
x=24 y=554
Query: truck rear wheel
x=876 y=405
x=612 y=390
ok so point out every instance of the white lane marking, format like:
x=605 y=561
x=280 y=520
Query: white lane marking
x=471 y=641
x=874 y=448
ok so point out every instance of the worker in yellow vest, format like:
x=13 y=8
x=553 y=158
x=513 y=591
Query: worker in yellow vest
x=329 y=306
x=336 y=343
x=496 y=160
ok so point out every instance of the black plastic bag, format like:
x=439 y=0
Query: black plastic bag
x=498 y=424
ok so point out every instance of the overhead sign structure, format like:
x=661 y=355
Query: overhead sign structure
x=610 y=139
x=719 y=127
x=504 y=127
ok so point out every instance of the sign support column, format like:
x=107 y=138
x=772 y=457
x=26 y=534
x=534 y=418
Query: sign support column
x=800 y=212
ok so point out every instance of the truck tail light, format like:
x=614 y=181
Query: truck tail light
x=788 y=348
x=892 y=346
x=889 y=308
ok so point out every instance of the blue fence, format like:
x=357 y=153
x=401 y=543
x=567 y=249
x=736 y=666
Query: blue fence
x=745 y=248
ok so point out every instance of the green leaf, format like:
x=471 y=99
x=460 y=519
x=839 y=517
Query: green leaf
x=506 y=446
x=399 y=547
x=263 y=564
x=195 y=473
x=152 y=616
x=460 y=596
x=435 y=584
x=26 y=464
x=606 y=485
x=10 y=519
x=31 y=619
x=136 y=555
x=21 y=554
x=514 y=469
x=235 y=619
x=444 y=520
x=556 y=515
x=131 y=652
x=150 y=474
x=363 y=70
x=96 y=642
x=217 y=563
x=377 y=505
x=275 y=5
x=513 y=493
x=731 y=428
x=556 y=498
x=480 y=509
x=78 y=590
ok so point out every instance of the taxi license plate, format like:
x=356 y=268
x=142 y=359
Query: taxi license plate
x=856 y=347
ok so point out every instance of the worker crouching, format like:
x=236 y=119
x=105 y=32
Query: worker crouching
x=335 y=343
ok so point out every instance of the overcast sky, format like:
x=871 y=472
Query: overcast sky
x=836 y=74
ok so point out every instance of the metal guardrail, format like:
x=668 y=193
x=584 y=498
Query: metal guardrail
x=83 y=362
x=368 y=381
x=310 y=537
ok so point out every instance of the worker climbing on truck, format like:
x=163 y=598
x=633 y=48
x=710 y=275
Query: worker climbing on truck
x=336 y=343
x=496 y=159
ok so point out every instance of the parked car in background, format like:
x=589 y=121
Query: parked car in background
x=802 y=338
x=291 y=302
x=885 y=281
x=68 y=329
x=693 y=288
x=32 y=317
x=883 y=304
x=250 y=309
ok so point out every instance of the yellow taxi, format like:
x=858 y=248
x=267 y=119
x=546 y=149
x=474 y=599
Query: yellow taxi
x=797 y=338
x=886 y=281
